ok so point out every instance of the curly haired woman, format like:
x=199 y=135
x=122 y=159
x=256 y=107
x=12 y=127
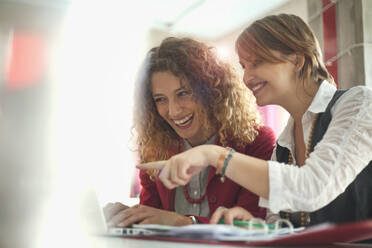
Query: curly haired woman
x=187 y=97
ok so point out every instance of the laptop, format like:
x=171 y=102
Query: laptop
x=94 y=223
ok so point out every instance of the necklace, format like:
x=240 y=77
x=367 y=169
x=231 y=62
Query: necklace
x=304 y=217
x=308 y=145
x=193 y=200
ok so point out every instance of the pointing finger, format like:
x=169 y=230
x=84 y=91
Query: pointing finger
x=152 y=165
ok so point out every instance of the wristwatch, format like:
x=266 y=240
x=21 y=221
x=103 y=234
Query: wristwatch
x=194 y=220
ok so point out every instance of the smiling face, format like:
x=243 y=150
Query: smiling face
x=175 y=103
x=271 y=83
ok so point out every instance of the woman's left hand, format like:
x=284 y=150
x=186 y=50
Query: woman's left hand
x=229 y=214
x=141 y=214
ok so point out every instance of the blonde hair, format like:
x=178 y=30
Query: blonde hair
x=287 y=34
x=228 y=105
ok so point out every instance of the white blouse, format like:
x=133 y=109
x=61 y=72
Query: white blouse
x=344 y=151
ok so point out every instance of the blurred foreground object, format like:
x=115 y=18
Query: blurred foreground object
x=26 y=34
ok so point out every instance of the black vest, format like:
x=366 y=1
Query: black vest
x=354 y=204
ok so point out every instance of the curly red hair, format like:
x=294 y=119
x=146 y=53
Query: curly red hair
x=228 y=105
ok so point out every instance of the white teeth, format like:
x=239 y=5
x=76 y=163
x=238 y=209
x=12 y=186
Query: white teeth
x=257 y=86
x=184 y=120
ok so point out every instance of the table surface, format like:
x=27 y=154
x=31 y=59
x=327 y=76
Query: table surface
x=116 y=242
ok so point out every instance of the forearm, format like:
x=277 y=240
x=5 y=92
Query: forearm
x=249 y=172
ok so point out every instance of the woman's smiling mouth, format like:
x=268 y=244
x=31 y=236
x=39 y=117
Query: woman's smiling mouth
x=257 y=87
x=184 y=122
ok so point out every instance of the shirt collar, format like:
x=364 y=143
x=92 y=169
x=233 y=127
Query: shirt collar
x=318 y=105
x=322 y=97
x=187 y=146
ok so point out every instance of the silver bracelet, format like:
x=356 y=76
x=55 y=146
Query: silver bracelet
x=194 y=220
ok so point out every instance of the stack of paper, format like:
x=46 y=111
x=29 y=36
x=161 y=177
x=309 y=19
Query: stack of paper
x=326 y=233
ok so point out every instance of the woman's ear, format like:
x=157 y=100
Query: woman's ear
x=299 y=62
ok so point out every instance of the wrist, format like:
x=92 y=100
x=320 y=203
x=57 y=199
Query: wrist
x=184 y=220
x=223 y=161
x=212 y=153
x=194 y=220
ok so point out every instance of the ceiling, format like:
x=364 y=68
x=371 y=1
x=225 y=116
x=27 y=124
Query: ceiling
x=208 y=19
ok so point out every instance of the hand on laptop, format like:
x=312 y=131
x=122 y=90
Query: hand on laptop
x=112 y=209
x=141 y=214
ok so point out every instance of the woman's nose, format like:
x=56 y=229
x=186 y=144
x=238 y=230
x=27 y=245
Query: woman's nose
x=247 y=77
x=174 y=109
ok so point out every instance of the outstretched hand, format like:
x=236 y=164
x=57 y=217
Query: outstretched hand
x=179 y=169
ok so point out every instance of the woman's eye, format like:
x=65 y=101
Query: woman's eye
x=159 y=100
x=185 y=93
x=256 y=62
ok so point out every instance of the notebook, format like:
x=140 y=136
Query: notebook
x=93 y=220
x=254 y=230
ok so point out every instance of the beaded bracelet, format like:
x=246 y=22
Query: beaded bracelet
x=225 y=158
